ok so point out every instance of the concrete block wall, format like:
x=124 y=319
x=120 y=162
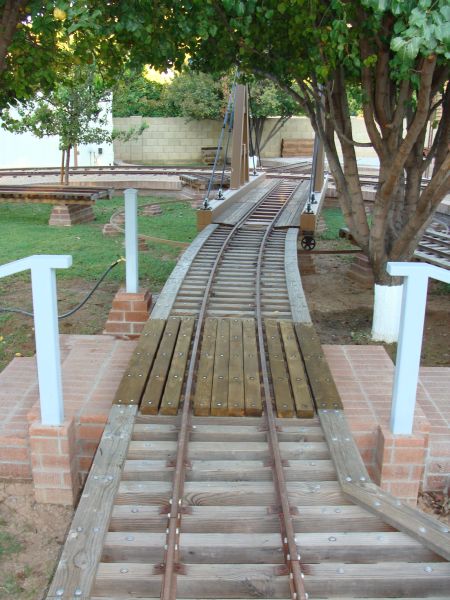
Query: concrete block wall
x=177 y=140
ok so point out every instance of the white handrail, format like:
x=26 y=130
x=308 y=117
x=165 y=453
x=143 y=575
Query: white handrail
x=131 y=241
x=410 y=338
x=46 y=332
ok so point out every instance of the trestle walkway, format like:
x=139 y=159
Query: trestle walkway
x=227 y=469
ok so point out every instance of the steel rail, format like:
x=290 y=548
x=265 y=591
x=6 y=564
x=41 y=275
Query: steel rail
x=168 y=591
x=288 y=533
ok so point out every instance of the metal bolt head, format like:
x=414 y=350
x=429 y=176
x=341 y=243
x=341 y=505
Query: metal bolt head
x=78 y=592
x=59 y=592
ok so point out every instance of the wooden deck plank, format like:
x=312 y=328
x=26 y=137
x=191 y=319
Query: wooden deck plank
x=345 y=454
x=197 y=581
x=219 y=395
x=229 y=493
x=172 y=392
x=236 y=396
x=161 y=450
x=253 y=402
x=304 y=405
x=229 y=470
x=280 y=376
x=82 y=551
x=217 y=433
x=393 y=579
x=290 y=217
x=135 y=377
x=158 y=374
x=320 y=378
x=203 y=386
x=422 y=527
x=248 y=519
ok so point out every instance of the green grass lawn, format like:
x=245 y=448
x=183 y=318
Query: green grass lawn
x=334 y=220
x=24 y=230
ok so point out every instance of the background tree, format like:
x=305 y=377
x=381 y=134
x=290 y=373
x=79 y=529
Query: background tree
x=134 y=94
x=72 y=111
x=269 y=100
x=194 y=95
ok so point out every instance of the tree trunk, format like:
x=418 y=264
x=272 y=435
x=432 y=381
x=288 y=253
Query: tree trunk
x=9 y=19
x=386 y=312
x=66 y=172
x=61 y=171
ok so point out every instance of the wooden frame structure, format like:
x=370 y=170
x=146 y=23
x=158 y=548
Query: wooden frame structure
x=240 y=140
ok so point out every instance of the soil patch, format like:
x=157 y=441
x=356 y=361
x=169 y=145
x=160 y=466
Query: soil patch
x=31 y=537
x=341 y=309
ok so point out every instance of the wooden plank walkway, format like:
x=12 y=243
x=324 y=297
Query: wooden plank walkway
x=230 y=544
x=290 y=217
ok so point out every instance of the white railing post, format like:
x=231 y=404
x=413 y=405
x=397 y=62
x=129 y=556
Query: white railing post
x=131 y=241
x=46 y=332
x=410 y=339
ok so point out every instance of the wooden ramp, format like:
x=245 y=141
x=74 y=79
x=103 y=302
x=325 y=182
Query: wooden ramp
x=353 y=540
x=230 y=544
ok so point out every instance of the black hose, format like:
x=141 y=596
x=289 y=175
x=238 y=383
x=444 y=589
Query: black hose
x=73 y=310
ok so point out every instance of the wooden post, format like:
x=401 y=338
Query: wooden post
x=240 y=140
x=320 y=166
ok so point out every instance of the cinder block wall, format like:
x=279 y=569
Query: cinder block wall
x=178 y=140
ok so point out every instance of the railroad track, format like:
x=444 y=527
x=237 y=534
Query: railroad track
x=184 y=506
x=233 y=290
x=434 y=248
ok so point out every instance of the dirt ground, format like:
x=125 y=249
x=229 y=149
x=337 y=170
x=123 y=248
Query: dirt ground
x=31 y=537
x=31 y=534
x=331 y=287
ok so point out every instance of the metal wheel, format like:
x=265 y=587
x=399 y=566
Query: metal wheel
x=308 y=242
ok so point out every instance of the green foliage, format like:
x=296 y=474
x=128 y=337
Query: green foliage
x=34 y=58
x=137 y=95
x=71 y=111
x=194 y=96
x=355 y=99
x=268 y=100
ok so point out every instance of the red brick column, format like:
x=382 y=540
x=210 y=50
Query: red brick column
x=128 y=314
x=66 y=215
x=54 y=462
x=400 y=463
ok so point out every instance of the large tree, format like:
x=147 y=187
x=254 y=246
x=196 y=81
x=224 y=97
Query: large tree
x=397 y=51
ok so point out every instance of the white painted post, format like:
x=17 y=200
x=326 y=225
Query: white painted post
x=45 y=309
x=410 y=339
x=131 y=241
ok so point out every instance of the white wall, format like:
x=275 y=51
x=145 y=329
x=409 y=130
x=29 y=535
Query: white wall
x=25 y=150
